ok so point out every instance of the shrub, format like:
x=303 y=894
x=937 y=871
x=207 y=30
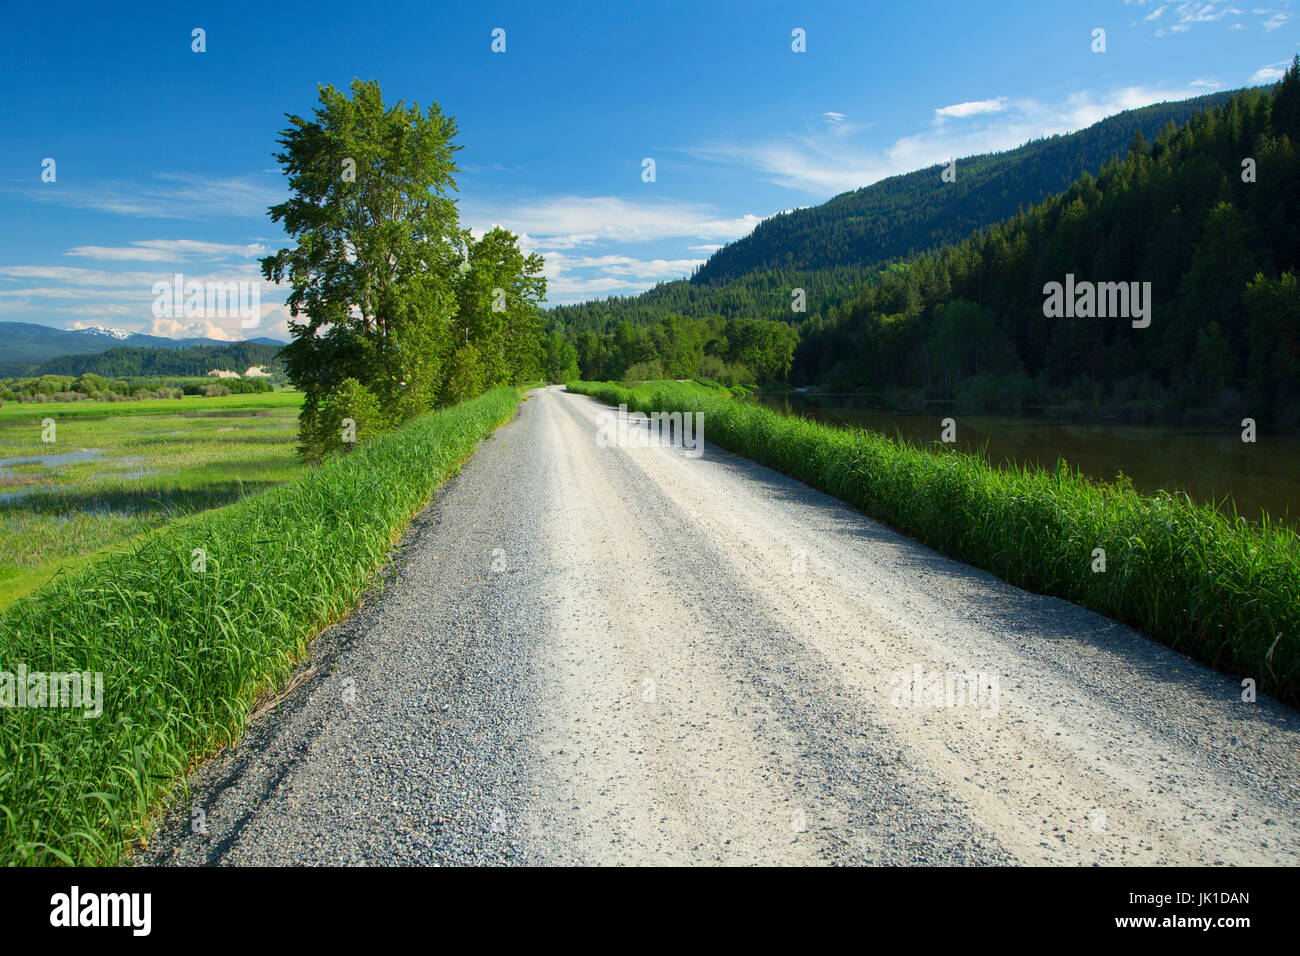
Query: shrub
x=328 y=431
x=464 y=376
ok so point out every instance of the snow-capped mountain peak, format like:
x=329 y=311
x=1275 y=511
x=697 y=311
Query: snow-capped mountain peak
x=101 y=331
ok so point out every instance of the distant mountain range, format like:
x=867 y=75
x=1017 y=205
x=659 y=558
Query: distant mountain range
x=28 y=343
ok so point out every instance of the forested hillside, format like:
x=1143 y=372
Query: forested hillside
x=1216 y=237
x=1208 y=214
x=828 y=250
x=906 y=214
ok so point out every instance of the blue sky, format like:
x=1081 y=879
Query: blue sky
x=164 y=156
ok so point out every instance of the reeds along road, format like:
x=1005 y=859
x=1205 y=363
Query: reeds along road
x=627 y=654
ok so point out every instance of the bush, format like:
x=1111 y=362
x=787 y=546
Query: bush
x=464 y=376
x=644 y=372
x=348 y=416
x=215 y=391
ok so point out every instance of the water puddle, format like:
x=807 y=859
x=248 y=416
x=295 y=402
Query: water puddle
x=62 y=458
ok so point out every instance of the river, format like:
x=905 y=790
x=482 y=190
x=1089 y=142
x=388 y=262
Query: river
x=1209 y=464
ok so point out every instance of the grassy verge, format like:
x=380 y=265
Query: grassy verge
x=1222 y=591
x=187 y=646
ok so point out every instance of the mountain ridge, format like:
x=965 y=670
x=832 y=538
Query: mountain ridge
x=30 y=342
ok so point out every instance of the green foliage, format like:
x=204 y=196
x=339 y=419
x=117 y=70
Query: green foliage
x=1219 y=589
x=186 y=654
x=377 y=240
x=499 y=295
x=681 y=347
x=464 y=376
x=1176 y=214
x=387 y=290
x=64 y=388
x=348 y=415
x=559 y=358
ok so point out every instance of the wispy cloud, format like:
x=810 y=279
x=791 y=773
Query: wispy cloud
x=1270 y=73
x=169 y=196
x=1183 y=16
x=568 y=222
x=171 y=250
x=820 y=164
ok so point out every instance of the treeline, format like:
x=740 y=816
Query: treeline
x=762 y=295
x=123 y=362
x=92 y=387
x=1208 y=214
x=730 y=351
x=396 y=309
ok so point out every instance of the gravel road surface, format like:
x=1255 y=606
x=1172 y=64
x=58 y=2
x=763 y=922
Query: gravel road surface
x=607 y=655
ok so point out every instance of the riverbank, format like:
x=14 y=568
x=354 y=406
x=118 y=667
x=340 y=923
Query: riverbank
x=1209 y=463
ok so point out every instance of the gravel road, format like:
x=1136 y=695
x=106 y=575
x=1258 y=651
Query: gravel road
x=628 y=656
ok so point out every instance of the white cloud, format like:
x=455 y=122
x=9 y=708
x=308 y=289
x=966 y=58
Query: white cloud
x=171 y=196
x=568 y=222
x=973 y=108
x=1271 y=73
x=170 y=250
x=832 y=117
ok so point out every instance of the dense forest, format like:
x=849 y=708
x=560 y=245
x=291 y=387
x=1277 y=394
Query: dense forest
x=127 y=362
x=1207 y=212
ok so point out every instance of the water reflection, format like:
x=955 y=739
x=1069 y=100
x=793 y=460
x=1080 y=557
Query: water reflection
x=1206 y=463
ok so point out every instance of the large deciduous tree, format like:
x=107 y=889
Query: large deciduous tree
x=378 y=252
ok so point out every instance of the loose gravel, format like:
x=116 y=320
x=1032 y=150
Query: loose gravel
x=628 y=656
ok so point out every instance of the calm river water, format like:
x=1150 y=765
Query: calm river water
x=1207 y=463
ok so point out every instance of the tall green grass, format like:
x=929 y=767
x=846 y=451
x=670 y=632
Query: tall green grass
x=187 y=654
x=1223 y=591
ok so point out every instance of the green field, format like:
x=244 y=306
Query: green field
x=118 y=470
x=187 y=651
